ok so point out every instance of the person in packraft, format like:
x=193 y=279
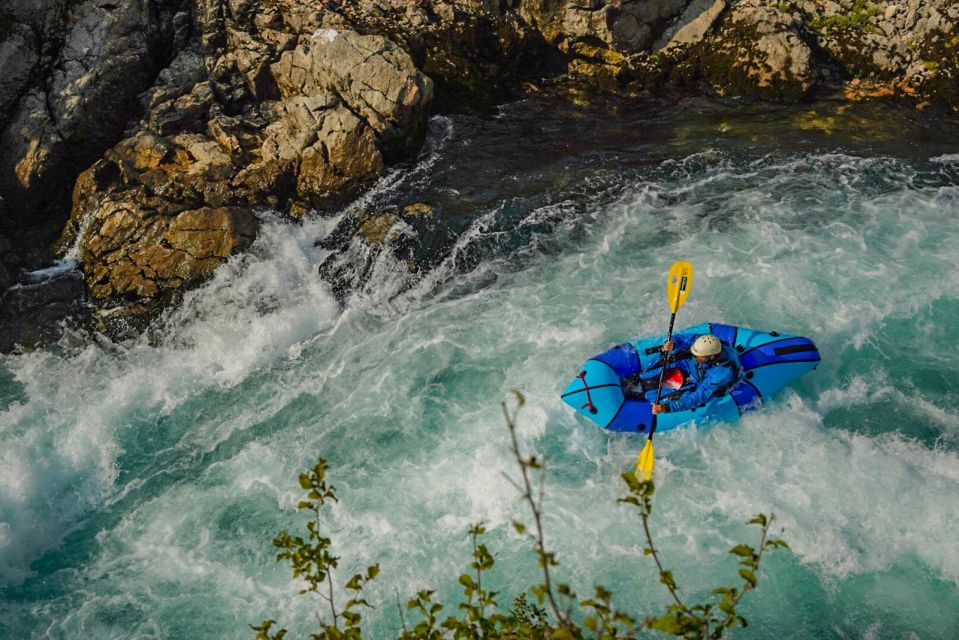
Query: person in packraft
x=706 y=370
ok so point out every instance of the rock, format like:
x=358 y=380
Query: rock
x=5 y=278
x=373 y=77
x=72 y=76
x=18 y=58
x=376 y=229
x=32 y=313
x=693 y=25
x=866 y=55
x=418 y=210
x=136 y=253
x=172 y=201
x=757 y=52
x=412 y=239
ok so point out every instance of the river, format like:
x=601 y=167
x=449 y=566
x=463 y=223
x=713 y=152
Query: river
x=142 y=481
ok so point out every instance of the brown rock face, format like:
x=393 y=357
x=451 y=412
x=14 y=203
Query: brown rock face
x=172 y=201
x=136 y=252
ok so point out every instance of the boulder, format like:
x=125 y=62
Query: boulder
x=758 y=52
x=172 y=201
x=133 y=252
x=692 y=26
x=374 y=79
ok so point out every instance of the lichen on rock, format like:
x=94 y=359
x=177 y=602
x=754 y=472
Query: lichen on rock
x=757 y=51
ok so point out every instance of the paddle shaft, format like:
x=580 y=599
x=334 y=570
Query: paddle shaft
x=662 y=375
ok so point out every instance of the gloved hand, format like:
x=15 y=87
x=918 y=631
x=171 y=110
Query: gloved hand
x=667 y=347
x=659 y=408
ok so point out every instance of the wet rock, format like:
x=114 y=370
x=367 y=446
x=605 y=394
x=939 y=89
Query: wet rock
x=33 y=312
x=130 y=251
x=5 y=278
x=411 y=240
x=173 y=200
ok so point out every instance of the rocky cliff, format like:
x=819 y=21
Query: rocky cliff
x=140 y=136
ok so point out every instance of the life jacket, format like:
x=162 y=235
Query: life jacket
x=725 y=359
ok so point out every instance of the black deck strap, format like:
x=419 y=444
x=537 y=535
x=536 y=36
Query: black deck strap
x=765 y=344
x=651 y=350
x=785 y=362
x=796 y=348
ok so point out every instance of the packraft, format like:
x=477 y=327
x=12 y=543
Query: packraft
x=604 y=389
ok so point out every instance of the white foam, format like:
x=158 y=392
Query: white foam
x=258 y=374
x=947 y=158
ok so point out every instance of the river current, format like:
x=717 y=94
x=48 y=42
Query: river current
x=142 y=481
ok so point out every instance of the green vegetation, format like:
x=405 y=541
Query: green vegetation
x=478 y=615
x=856 y=19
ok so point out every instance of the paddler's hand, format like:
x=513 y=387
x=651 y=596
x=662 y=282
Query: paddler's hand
x=659 y=408
x=668 y=346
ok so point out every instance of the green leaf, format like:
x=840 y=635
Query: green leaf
x=305 y=482
x=467 y=581
x=563 y=634
x=743 y=550
x=666 y=577
x=668 y=623
x=748 y=576
x=759 y=519
x=519 y=526
x=726 y=606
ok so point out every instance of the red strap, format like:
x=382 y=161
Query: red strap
x=589 y=399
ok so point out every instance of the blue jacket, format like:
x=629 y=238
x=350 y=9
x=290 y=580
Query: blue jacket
x=702 y=381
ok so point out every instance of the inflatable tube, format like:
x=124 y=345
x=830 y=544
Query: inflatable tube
x=767 y=362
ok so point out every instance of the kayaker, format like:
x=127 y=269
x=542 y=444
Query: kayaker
x=708 y=372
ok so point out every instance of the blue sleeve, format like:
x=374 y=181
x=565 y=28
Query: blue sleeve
x=684 y=340
x=715 y=379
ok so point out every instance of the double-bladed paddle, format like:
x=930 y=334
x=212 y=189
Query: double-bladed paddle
x=678 y=284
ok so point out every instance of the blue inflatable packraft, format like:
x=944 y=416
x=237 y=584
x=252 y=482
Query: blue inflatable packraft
x=766 y=362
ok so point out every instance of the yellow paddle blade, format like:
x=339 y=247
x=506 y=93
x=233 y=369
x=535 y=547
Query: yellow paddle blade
x=644 y=464
x=678 y=283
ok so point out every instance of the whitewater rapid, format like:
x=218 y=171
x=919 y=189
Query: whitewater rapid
x=141 y=482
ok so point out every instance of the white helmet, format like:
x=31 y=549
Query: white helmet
x=707 y=345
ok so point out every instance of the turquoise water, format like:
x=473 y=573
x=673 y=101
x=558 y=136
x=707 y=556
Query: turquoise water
x=141 y=482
